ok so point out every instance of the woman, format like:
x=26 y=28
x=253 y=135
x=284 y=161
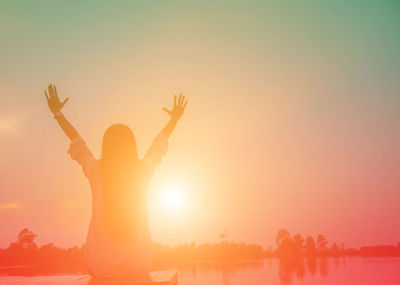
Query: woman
x=118 y=242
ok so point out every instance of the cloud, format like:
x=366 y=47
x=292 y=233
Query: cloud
x=9 y=124
x=10 y=206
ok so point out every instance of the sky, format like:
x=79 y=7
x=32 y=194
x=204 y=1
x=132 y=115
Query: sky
x=292 y=120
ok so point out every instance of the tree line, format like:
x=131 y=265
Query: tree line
x=24 y=254
x=292 y=246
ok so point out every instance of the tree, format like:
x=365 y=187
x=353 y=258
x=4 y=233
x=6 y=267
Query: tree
x=24 y=250
x=310 y=246
x=321 y=242
x=299 y=240
x=282 y=236
x=335 y=249
x=25 y=240
x=286 y=245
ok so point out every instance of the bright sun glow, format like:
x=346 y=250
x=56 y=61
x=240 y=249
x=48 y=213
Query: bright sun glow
x=173 y=197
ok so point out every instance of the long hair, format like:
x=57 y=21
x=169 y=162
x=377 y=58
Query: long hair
x=121 y=173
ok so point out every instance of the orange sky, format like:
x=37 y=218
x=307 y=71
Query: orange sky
x=292 y=119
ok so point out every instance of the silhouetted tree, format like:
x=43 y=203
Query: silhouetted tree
x=25 y=240
x=24 y=250
x=286 y=245
x=282 y=236
x=298 y=239
x=321 y=242
x=335 y=249
x=310 y=246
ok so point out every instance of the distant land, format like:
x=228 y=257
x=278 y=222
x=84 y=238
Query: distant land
x=24 y=256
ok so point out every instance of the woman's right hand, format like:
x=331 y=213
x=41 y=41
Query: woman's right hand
x=55 y=105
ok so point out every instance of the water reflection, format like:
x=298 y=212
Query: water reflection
x=225 y=270
x=311 y=271
x=287 y=270
x=299 y=267
x=42 y=269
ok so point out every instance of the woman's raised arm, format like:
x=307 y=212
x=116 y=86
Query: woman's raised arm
x=55 y=106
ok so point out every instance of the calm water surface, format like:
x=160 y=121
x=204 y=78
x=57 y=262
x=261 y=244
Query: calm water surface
x=337 y=271
x=366 y=271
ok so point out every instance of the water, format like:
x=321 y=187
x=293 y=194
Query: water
x=327 y=271
x=354 y=271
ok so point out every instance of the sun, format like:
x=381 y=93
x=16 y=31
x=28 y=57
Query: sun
x=173 y=198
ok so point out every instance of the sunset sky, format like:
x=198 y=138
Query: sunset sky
x=292 y=121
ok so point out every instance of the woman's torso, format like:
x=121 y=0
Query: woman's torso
x=108 y=256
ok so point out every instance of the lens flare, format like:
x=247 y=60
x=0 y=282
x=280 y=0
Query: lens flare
x=173 y=197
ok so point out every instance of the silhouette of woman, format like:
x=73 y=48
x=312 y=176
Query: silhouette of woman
x=118 y=242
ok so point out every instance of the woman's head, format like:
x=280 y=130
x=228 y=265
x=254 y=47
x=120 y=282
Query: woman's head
x=119 y=145
x=121 y=180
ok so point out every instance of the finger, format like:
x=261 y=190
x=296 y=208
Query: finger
x=47 y=96
x=174 y=100
x=55 y=91
x=183 y=100
x=168 y=111
x=65 y=101
x=50 y=90
x=180 y=99
x=184 y=105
